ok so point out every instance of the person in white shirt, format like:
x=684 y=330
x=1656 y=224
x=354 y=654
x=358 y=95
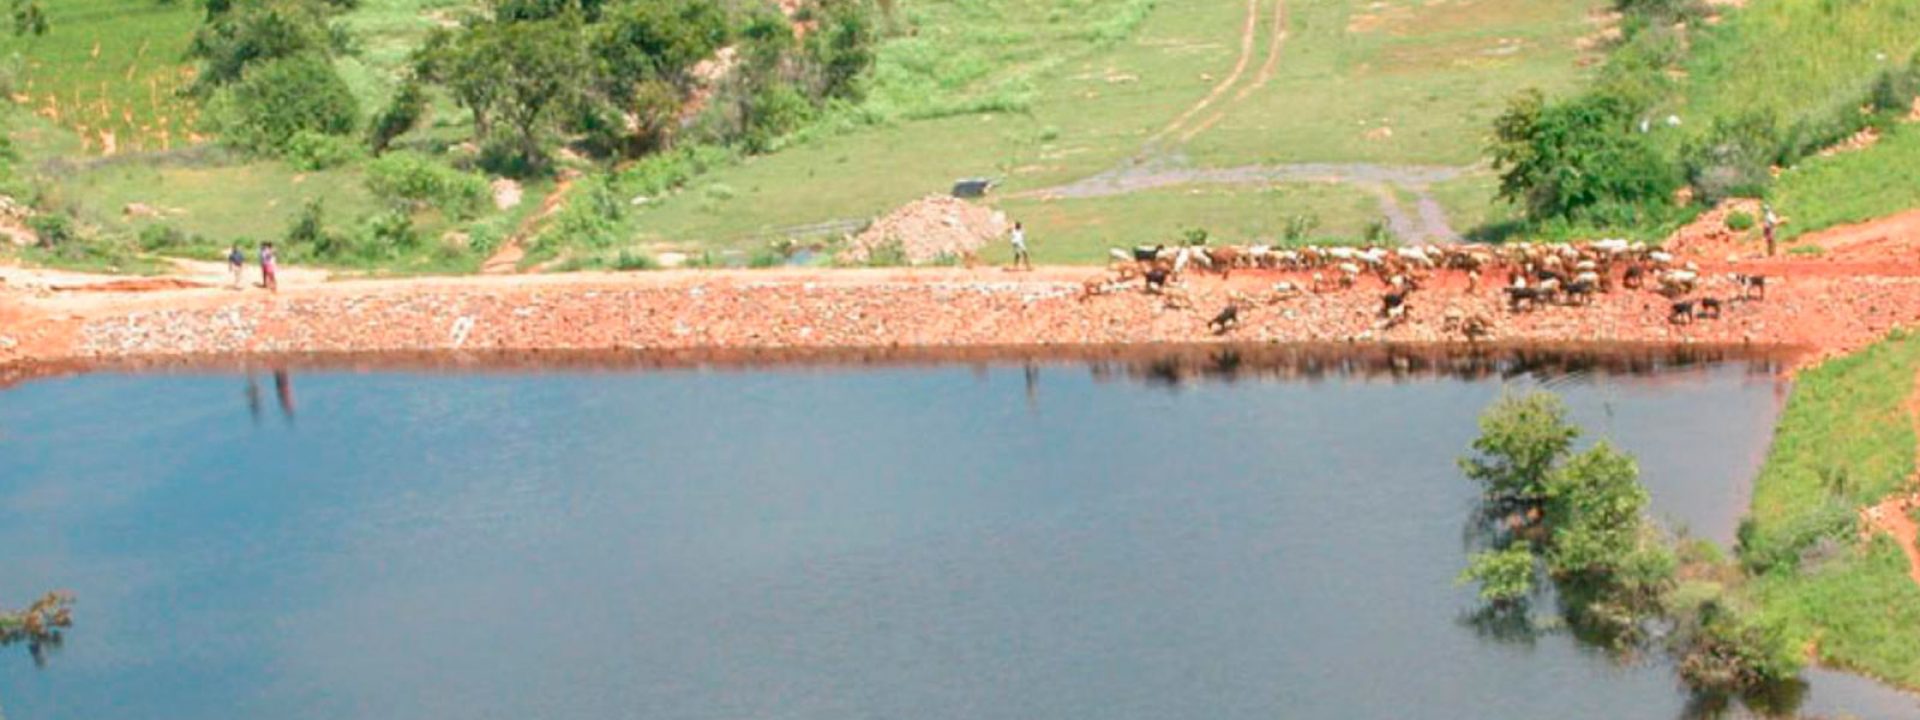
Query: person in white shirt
x=1020 y=256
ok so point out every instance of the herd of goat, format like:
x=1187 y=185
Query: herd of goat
x=1535 y=274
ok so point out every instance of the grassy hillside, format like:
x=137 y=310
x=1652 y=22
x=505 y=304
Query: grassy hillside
x=110 y=71
x=1796 y=59
x=1399 y=83
x=1845 y=441
x=1039 y=94
x=1852 y=187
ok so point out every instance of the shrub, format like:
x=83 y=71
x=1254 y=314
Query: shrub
x=767 y=257
x=1717 y=649
x=1735 y=159
x=591 y=219
x=311 y=151
x=1740 y=221
x=1504 y=576
x=630 y=260
x=775 y=112
x=1300 y=227
x=54 y=229
x=401 y=114
x=278 y=100
x=386 y=234
x=160 y=236
x=662 y=173
x=308 y=231
x=418 y=179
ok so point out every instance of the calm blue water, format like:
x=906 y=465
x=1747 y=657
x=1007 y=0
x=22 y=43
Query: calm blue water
x=926 y=542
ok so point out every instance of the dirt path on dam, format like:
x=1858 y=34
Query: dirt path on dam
x=1832 y=304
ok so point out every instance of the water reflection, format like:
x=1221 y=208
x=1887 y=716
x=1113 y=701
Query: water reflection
x=282 y=391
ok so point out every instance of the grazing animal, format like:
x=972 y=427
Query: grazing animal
x=1522 y=297
x=1634 y=277
x=1581 y=291
x=1227 y=319
x=1682 y=313
x=1142 y=253
x=1710 y=308
x=1394 y=304
x=1349 y=274
x=1751 y=286
x=1157 y=279
x=1319 y=282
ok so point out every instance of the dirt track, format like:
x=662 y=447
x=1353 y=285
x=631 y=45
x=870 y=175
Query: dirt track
x=1832 y=304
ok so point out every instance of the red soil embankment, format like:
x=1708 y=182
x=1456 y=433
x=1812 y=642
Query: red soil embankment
x=1832 y=304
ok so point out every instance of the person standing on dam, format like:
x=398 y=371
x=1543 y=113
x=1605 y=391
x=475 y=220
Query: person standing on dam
x=1021 y=258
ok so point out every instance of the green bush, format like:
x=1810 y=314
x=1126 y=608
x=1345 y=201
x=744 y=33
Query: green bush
x=387 y=234
x=311 y=151
x=662 y=173
x=55 y=230
x=592 y=217
x=1718 y=649
x=1740 y=221
x=1504 y=576
x=1735 y=159
x=402 y=113
x=630 y=260
x=160 y=236
x=278 y=100
x=308 y=232
x=1578 y=159
x=418 y=179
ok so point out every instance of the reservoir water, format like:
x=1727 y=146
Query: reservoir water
x=1220 y=537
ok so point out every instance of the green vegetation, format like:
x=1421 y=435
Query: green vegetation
x=730 y=125
x=1581 y=518
x=1078 y=231
x=1852 y=187
x=1845 y=441
x=109 y=71
x=1715 y=103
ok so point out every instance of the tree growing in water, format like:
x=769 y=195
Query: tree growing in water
x=1582 y=516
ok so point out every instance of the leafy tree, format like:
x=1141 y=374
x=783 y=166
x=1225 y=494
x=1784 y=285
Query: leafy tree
x=534 y=10
x=285 y=97
x=1521 y=439
x=656 y=40
x=1594 y=508
x=516 y=78
x=1505 y=576
x=401 y=115
x=1579 y=159
x=842 y=48
x=245 y=33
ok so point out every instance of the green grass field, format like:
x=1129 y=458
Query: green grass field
x=1845 y=441
x=1081 y=103
x=110 y=71
x=1796 y=58
x=1882 y=180
x=1074 y=232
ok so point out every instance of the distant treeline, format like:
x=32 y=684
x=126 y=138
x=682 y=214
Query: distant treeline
x=611 y=79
